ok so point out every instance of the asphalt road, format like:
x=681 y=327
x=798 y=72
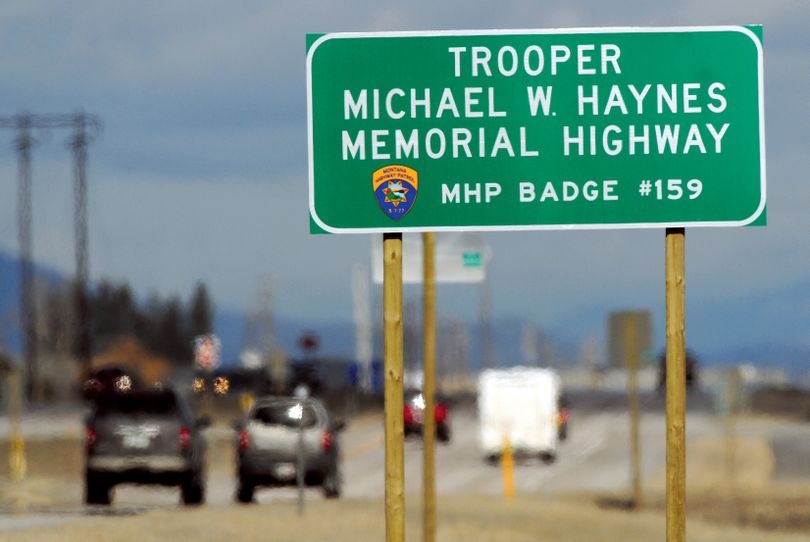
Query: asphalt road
x=593 y=459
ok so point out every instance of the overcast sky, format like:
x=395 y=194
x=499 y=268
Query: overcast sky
x=200 y=172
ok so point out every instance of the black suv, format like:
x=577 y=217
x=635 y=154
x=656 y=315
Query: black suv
x=143 y=437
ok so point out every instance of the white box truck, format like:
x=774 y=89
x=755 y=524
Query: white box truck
x=520 y=404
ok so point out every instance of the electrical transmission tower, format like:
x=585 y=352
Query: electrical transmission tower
x=85 y=128
x=259 y=332
x=28 y=317
x=487 y=339
x=364 y=348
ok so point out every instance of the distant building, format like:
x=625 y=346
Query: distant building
x=6 y=365
x=618 y=322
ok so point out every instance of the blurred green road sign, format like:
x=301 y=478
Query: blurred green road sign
x=459 y=258
x=536 y=129
x=472 y=259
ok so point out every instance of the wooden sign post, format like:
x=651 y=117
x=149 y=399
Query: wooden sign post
x=394 y=421
x=429 y=389
x=676 y=385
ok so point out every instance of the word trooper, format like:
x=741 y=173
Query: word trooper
x=507 y=60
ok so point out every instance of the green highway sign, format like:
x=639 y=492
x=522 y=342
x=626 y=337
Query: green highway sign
x=536 y=129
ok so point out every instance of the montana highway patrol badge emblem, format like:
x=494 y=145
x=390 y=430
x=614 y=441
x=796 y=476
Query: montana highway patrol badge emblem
x=395 y=188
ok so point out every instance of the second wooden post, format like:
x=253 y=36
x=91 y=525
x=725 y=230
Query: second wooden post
x=429 y=389
x=394 y=422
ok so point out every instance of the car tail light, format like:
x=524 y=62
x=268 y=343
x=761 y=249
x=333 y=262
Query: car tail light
x=185 y=438
x=408 y=414
x=244 y=439
x=326 y=441
x=563 y=416
x=89 y=438
x=441 y=413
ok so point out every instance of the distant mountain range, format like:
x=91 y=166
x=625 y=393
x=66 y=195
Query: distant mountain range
x=767 y=330
x=10 y=282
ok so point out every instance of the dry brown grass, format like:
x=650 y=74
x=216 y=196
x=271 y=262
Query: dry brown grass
x=707 y=468
x=754 y=511
x=58 y=457
x=777 y=508
x=742 y=496
x=527 y=519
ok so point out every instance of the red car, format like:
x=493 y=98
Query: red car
x=415 y=415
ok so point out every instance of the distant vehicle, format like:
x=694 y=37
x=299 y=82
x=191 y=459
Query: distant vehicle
x=522 y=406
x=267 y=446
x=216 y=384
x=144 y=437
x=563 y=418
x=691 y=369
x=110 y=380
x=415 y=415
x=308 y=373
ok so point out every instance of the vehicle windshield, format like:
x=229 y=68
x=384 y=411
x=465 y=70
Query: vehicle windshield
x=287 y=414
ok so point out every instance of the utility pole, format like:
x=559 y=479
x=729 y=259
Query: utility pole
x=85 y=128
x=28 y=317
x=266 y=340
x=362 y=322
x=487 y=343
x=631 y=353
x=410 y=347
x=453 y=352
x=530 y=345
x=78 y=143
x=260 y=336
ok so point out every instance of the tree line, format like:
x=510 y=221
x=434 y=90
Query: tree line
x=165 y=326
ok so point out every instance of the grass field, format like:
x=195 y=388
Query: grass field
x=460 y=519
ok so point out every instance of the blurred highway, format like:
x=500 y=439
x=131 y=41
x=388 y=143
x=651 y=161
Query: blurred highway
x=593 y=459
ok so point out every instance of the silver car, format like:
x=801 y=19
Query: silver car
x=268 y=446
